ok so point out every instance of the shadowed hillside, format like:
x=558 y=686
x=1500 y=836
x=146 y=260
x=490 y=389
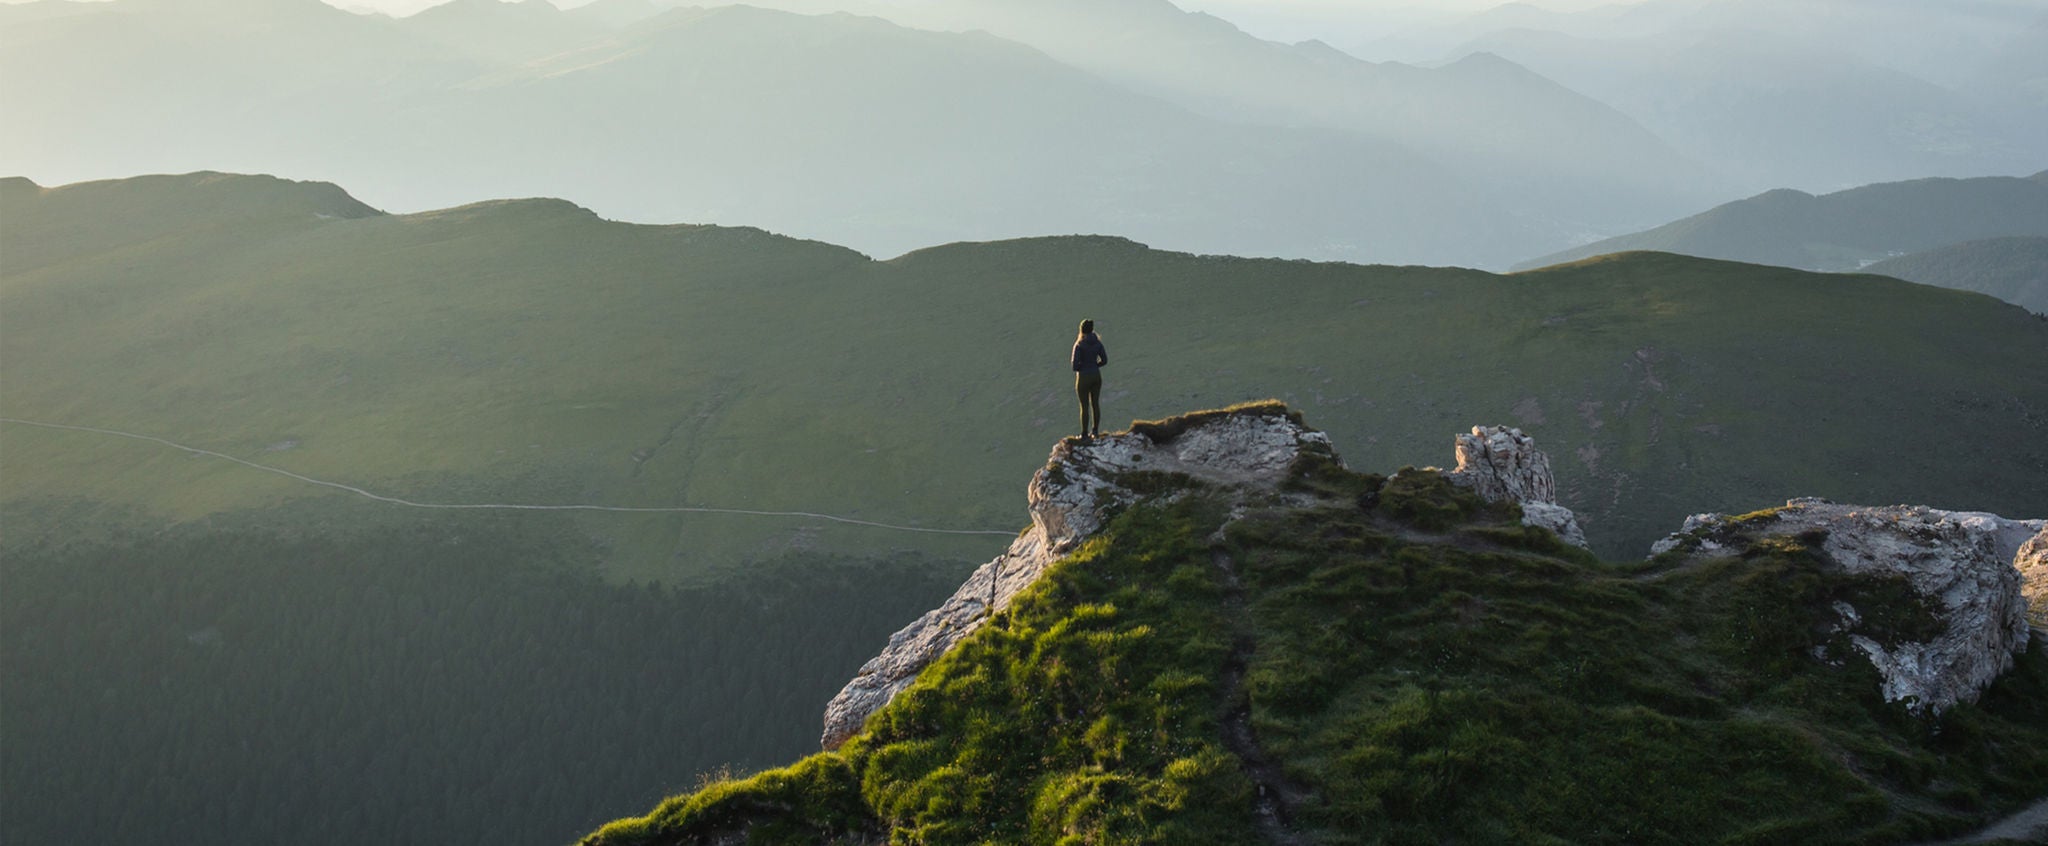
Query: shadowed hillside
x=530 y=352
x=1845 y=230
x=2012 y=269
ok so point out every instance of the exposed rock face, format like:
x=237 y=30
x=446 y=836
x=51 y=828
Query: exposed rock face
x=1502 y=464
x=1963 y=563
x=2032 y=563
x=1246 y=450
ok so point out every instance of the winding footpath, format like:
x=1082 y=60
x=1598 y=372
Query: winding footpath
x=499 y=506
x=1277 y=797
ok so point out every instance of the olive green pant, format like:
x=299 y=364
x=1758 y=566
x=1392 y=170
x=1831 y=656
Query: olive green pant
x=1088 y=387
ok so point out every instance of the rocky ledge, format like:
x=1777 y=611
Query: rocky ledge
x=1967 y=567
x=2032 y=563
x=1244 y=452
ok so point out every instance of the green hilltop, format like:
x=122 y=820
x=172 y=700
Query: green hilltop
x=1397 y=661
x=527 y=351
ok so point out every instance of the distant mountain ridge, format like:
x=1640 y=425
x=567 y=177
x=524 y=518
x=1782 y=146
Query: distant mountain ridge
x=1809 y=94
x=1543 y=149
x=1845 y=230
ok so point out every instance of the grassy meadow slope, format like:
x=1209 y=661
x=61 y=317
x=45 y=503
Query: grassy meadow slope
x=1400 y=663
x=1844 y=230
x=2012 y=269
x=528 y=351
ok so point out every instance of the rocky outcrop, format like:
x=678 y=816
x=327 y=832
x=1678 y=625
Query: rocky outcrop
x=1246 y=450
x=2032 y=563
x=1504 y=465
x=1961 y=563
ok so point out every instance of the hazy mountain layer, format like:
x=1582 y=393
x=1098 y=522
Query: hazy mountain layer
x=2012 y=269
x=1812 y=94
x=849 y=129
x=530 y=352
x=1529 y=143
x=1845 y=230
x=1771 y=110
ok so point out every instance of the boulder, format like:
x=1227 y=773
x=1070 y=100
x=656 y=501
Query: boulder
x=1503 y=465
x=1962 y=563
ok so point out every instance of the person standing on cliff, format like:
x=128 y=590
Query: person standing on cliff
x=1089 y=358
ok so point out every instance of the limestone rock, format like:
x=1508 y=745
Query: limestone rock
x=2032 y=563
x=1248 y=451
x=911 y=649
x=1962 y=562
x=1557 y=518
x=1503 y=465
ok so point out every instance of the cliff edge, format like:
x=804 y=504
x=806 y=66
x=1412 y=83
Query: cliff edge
x=1243 y=454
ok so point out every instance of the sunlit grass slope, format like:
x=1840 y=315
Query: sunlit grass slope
x=527 y=351
x=1417 y=668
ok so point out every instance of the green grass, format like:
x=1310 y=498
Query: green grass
x=1085 y=713
x=1416 y=679
x=527 y=351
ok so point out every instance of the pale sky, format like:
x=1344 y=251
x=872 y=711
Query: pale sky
x=1286 y=20
x=1226 y=9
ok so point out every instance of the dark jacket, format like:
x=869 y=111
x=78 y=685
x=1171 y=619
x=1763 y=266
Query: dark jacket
x=1089 y=356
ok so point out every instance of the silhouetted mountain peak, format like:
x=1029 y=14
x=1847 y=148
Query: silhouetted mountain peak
x=1781 y=195
x=470 y=9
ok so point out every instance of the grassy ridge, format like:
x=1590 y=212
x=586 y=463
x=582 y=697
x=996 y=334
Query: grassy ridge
x=529 y=351
x=2012 y=269
x=1422 y=670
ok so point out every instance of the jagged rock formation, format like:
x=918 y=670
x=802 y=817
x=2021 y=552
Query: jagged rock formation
x=1963 y=564
x=1502 y=464
x=1247 y=450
